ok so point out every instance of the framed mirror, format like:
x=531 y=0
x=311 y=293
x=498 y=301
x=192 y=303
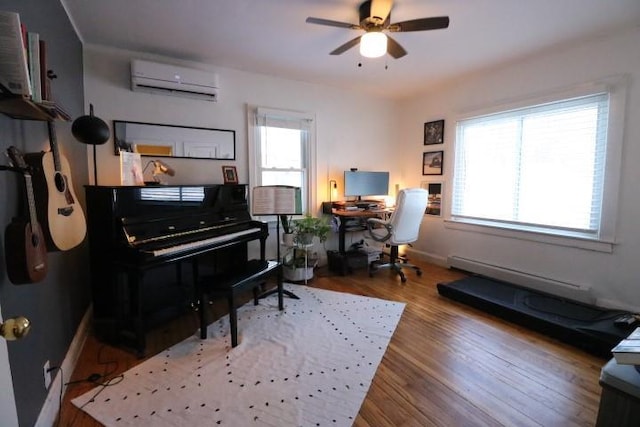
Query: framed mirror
x=158 y=140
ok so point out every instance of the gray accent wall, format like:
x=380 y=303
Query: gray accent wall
x=56 y=305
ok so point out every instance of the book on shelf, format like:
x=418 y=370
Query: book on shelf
x=44 y=78
x=33 y=58
x=14 y=68
x=627 y=351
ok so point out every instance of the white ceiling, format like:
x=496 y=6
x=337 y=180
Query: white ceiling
x=271 y=36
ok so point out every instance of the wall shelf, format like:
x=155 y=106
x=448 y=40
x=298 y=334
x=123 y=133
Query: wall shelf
x=21 y=107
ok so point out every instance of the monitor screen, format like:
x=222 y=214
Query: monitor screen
x=362 y=183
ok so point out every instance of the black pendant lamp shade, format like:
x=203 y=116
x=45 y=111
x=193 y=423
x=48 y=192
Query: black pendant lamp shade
x=91 y=130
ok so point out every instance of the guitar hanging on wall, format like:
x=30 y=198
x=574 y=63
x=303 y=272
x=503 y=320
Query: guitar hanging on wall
x=61 y=215
x=25 y=250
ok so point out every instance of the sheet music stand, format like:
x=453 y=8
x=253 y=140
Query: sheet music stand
x=277 y=200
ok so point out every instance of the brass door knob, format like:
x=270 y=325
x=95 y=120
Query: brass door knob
x=15 y=328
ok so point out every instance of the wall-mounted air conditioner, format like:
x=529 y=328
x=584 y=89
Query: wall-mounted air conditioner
x=173 y=80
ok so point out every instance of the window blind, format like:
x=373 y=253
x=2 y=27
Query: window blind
x=540 y=166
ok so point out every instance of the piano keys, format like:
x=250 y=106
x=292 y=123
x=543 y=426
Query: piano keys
x=139 y=239
x=205 y=243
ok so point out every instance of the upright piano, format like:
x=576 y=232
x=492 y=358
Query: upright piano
x=142 y=237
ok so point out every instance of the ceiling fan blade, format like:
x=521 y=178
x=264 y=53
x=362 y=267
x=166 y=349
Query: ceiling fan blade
x=394 y=49
x=422 y=24
x=345 y=47
x=330 y=23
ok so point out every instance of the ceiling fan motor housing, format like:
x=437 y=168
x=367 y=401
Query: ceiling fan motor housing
x=366 y=20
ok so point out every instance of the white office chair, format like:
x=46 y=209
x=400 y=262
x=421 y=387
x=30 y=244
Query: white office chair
x=401 y=228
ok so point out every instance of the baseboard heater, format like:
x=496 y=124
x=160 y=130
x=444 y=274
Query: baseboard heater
x=587 y=327
x=537 y=282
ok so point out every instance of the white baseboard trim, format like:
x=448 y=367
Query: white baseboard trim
x=548 y=285
x=426 y=256
x=51 y=405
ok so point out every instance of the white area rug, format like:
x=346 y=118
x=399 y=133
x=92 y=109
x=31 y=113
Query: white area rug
x=310 y=365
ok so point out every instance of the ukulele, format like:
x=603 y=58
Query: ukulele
x=25 y=250
x=61 y=215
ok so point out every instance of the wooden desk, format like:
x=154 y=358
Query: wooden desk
x=345 y=214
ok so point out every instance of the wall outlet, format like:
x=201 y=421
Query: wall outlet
x=47 y=375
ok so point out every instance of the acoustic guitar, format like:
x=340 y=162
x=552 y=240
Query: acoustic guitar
x=25 y=250
x=61 y=215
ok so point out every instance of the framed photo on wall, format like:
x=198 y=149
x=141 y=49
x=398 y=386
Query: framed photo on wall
x=432 y=162
x=434 y=132
x=434 y=203
x=230 y=174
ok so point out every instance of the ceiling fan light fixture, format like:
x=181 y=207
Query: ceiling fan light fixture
x=373 y=44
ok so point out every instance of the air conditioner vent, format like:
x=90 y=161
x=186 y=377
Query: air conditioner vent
x=173 y=80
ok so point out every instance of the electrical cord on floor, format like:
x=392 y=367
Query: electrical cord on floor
x=96 y=378
x=90 y=379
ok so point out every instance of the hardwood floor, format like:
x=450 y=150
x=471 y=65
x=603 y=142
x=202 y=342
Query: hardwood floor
x=446 y=365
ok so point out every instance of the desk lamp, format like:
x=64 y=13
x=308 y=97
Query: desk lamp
x=159 y=168
x=333 y=189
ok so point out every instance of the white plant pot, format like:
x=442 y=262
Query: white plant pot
x=287 y=239
x=298 y=274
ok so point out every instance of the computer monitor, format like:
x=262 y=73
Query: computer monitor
x=363 y=183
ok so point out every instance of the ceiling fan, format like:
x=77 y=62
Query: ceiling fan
x=375 y=18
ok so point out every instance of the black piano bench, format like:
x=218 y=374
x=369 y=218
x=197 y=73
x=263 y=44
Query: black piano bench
x=230 y=285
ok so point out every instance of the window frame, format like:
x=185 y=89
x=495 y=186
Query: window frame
x=616 y=87
x=254 y=152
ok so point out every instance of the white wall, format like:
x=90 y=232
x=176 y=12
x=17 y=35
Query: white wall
x=352 y=130
x=614 y=278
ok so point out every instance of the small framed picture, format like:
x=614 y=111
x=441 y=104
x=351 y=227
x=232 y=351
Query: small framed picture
x=434 y=132
x=434 y=202
x=230 y=174
x=432 y=162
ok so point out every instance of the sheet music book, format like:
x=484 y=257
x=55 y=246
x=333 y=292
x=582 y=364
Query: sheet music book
x=14 y=70
x=130 y=169
x=276 y=200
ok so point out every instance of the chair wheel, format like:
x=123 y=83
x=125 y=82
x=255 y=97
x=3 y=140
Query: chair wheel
x=403 y=279
x=419 y=272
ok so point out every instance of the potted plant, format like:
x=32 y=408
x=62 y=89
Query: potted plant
x=300 y=260
x=287 y=227
x=309 y=227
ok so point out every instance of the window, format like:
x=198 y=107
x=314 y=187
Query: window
x=283 y=144
x=540 y=168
